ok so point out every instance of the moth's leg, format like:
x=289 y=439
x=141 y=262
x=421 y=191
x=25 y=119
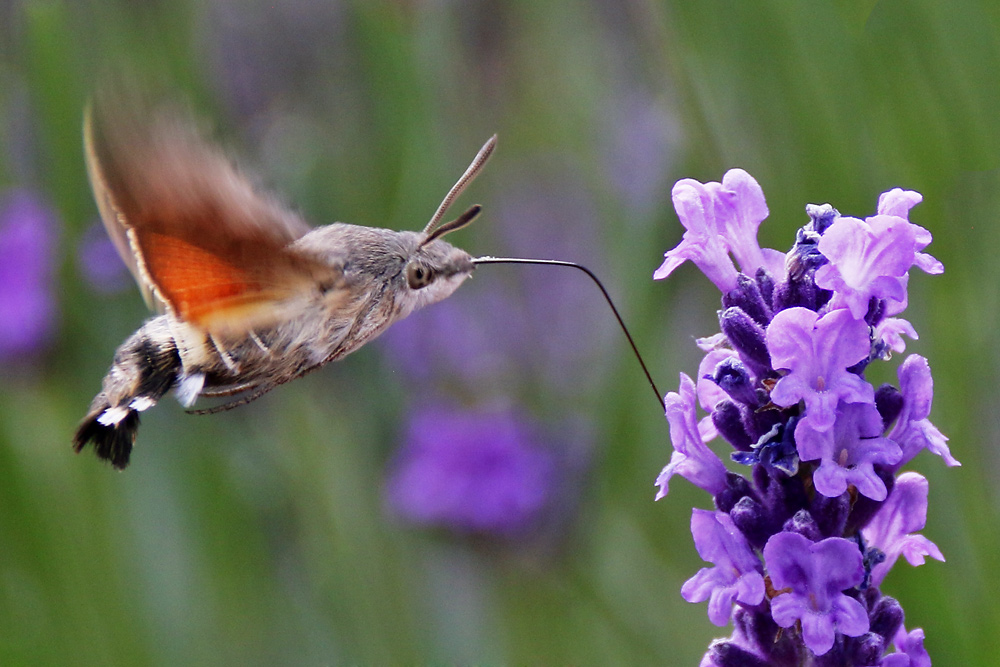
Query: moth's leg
x=227 y=360
x=230 y=390
x=243 y=400
x=256 y=339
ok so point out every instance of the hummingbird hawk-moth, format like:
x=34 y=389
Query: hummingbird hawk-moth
x=249 y=296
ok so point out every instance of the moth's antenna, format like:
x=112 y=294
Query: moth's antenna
x=477 y=165
x=450 y=226
x=607 y=297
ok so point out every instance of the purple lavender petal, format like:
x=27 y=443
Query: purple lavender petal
x=713 y=342
x=28 y=235
x=706 y=429
x=849 y=451
x=928 y=263
x=481 y=472
x=896 y=305
x=817 y=352
x=816 y=573
x=691 y=458
x=913 y=431
x=867 y=259
x=736 y=575
x=891 y=330
x=740 y=208
x=722 y=218
x=910 y=651
x=898 y=202
x=892 y=529
x=701 y=243
x=872 y=258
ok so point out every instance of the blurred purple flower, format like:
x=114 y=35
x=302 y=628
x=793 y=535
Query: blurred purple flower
x=472 y=472
x=262 y=52
x=28 y=236
x=816 y=573
x=521 y=324
x=898 y=202
x=638 y=146
x=99 y=262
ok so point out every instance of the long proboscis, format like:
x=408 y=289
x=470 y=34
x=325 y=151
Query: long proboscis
x=600 y=285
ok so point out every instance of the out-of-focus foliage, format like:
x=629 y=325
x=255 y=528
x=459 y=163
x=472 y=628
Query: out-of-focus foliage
x=266 y=535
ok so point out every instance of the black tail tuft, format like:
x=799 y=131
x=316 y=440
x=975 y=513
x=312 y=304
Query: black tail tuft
x=113 y=442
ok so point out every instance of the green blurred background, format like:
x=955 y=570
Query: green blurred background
x=262 y=535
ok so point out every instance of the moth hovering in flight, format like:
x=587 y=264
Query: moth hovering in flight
x=249 y=296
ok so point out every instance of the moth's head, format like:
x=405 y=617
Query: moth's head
x=436 y=270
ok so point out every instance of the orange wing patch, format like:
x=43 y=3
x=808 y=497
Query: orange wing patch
x=203 y=288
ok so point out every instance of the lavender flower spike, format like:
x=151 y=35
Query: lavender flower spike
x=822 y=516
x=892 y=529
x=691 y=459
x=815 y=573
x=737 y=573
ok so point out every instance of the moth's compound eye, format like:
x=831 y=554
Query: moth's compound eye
x=418 y=275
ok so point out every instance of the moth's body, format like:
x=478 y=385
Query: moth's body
x=251 y=298
x=169 y=353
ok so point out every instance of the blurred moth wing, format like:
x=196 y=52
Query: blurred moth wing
x=200 y=241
